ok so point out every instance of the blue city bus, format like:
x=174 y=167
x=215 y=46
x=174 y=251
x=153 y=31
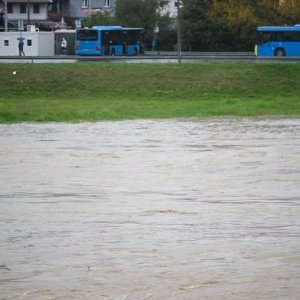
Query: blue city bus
x=109 y=40
x=278 y=41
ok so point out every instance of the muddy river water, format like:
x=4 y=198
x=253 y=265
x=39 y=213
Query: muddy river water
x=165 y=209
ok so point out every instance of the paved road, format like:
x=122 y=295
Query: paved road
x=155 y=57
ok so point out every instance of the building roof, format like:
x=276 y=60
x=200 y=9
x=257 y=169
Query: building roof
x=30 y=1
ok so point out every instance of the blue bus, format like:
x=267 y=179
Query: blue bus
x=278 y=41
x=109 y=40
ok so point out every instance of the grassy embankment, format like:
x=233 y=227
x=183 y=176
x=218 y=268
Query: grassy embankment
x=103 y=91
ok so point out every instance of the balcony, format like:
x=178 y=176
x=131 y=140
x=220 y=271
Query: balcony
x=57 y=16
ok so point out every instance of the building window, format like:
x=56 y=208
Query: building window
x=29 y=43
x=36 y=8
x=10 y=8
x=23 y=7
x=85 y=3
x=6 y=43
x=107 y=3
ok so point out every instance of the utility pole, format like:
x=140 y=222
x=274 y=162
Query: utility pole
x=90 y=8
x=28 y=12
x=5 y=16
x=179 y=30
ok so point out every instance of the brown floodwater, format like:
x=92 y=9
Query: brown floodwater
x=165 y=209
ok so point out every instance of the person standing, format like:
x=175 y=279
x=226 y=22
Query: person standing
x=64 y=46
x=21 y=46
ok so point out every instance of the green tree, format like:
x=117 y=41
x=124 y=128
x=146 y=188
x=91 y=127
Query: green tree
x=268 y=12
x=236 y=23
x=277 y=12
x=99 y=19
x=239 y=19
x=197 y=26
x=290 y=10
x=167 y=35
x=145 y=14
x=231 y=24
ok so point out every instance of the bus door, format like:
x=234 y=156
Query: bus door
x=264 y=43
x=117 y=43
x=134 y=41
x=106 y=42
x=133 y=50
x=112 y=42
x=116 y=50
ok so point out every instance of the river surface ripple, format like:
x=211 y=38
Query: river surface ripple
x=175 y=209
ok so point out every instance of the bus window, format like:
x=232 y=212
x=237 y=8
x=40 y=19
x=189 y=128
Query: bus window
x=278 y=36
x=266 y=37
x=87 y=35
x=116 y=37
x=291 y=36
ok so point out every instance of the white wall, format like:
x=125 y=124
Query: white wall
x=42 y=43
x=46 y=43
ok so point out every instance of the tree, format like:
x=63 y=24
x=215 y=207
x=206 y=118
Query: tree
x=239 y=19
x=290 y=10
x=197 y=25
x=236 y=24
x=99 y=19
x=145 y=14
x=231 y=24
x=268 y=12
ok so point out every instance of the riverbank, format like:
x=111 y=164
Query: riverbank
x=104 y=91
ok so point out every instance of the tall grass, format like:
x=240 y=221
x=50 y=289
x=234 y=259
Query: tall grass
x=104 y=91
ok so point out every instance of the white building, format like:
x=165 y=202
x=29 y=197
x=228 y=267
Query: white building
x=35 y=43
x=28 y=11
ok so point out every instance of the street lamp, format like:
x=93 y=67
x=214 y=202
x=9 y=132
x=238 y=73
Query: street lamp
x=178 y=30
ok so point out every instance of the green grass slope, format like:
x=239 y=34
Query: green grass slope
x=107 y=91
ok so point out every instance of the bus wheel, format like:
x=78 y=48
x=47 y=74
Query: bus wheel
x=113 y=52
x=279 y=52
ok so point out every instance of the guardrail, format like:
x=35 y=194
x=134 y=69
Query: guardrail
x=189 y=53
x=164 y=57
